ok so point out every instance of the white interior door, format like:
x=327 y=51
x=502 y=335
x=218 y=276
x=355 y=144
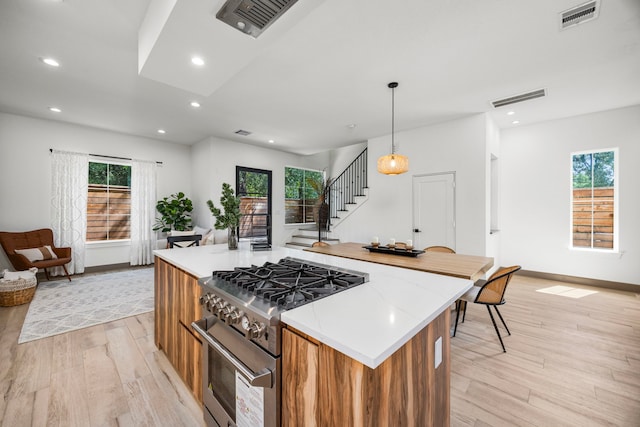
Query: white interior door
x=434 y=210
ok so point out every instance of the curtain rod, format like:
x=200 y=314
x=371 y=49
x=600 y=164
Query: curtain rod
x=108 y=157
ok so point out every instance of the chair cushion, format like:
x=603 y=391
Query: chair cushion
x=489 y=295
x=38 y=254
x=52 y=262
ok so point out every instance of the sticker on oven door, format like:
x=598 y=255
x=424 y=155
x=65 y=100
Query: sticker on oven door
x=249 y=403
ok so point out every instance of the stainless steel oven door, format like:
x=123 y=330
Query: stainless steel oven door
x=241 y=381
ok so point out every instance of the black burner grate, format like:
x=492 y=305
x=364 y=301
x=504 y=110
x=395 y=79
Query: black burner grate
x=290 y=282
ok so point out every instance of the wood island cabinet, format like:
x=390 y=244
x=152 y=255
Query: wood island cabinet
x=176 y=306
x=323 y=387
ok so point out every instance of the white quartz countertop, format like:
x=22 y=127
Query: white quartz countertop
x=368 y=322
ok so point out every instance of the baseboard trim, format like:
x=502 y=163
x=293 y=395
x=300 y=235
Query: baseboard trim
x=95 y=269
x=110 y=267
x=628 y=287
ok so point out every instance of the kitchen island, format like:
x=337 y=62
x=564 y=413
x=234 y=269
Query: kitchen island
x=376 y=351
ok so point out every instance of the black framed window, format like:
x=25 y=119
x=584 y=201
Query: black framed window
x=254 y=188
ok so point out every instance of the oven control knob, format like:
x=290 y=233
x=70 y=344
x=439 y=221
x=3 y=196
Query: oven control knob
x=211 y=300
x=204 y=299
x=218 y=306
x=233 y=316
x=256 y=330
x=226 y=310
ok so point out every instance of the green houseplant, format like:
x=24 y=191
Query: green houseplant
x=175 y=213
x=230 y=218
x=321 y=208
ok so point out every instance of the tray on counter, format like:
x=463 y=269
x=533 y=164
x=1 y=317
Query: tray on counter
x=394 y=251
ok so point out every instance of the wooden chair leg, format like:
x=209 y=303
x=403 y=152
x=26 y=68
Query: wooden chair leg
x=69 y=277
x=46 y=273
x=500 y=315
x=496 y=328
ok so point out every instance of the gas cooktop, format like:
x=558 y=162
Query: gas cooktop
x=291 y=282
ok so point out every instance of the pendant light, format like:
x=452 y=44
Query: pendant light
x=393 y=164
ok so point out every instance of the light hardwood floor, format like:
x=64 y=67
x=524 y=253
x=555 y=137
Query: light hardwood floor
x=106 y=375
x=569 y=362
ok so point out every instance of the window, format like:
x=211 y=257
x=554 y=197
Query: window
x=299 y=195
x=254 y=189
x=108 y=202
x=594 y=200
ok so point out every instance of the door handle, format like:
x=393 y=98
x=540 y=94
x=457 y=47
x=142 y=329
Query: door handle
x=417 y=230
x=260 y=379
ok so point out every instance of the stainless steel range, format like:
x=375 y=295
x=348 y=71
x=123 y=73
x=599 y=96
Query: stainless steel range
x=242 y=332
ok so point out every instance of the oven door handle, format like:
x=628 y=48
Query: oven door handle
x=260 y=379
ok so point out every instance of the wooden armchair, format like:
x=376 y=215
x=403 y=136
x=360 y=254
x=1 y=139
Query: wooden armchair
x=35 y=240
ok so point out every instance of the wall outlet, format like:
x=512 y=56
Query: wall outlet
x=437 y=359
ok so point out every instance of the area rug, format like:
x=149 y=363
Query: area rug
x=61 y=306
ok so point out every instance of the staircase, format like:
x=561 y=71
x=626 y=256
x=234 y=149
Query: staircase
x=305 y=236
x=347 y=192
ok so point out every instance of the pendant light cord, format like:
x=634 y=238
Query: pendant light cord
x=393 y=121
x=393 y=86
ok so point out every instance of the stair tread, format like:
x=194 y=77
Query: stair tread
x=304 y=245
x=304 y=236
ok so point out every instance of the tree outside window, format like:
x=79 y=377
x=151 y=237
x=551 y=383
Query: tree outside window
x=300 y=197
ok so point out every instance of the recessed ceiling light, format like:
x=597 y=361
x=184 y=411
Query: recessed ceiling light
x=196 y=60
x=195 y=104
x=511 y=113
x=50 y=61
x=55 y=109
x=351 y=126
x=271 y=141
x=162 y=131
x=515 y=122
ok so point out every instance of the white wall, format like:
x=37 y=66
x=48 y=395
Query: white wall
x=25 y=172
x=341 y=158
x=493 y=151
x=457 y=146
x=214 y=161
x=535 y=180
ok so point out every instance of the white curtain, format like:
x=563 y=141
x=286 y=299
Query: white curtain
x=69 y=176
x=143 y=211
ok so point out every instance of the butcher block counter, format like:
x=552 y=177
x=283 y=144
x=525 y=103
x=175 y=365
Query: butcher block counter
x=455 y=265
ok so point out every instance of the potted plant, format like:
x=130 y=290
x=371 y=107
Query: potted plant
x=175 y=213
x=230 y=218
x=321 y=208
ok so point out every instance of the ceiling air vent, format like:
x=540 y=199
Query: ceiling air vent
x=252 y=17
x=579 y=14
x=519 y=98
x=243 y=132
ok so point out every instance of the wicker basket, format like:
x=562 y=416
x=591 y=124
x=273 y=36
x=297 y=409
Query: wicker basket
x=16 y=292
